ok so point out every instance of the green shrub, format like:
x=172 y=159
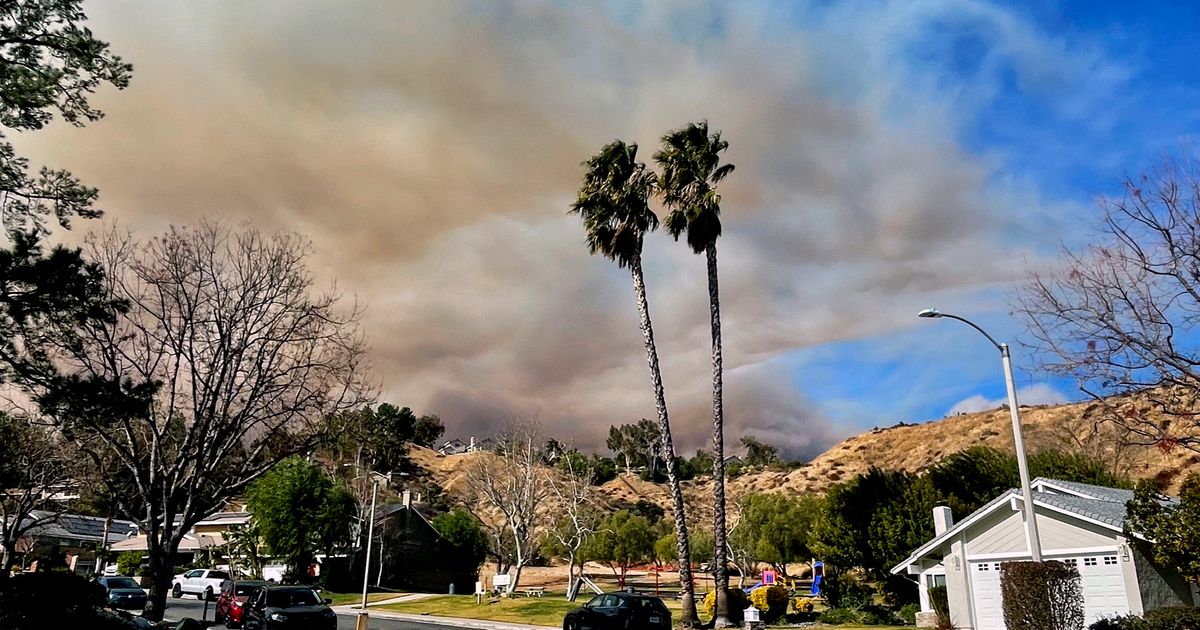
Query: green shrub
x=738 y=602
x=876 y=616
x=129 y=562
x=939 y=600
x=908 y=613
x=1041 y=596
x=843 y=590
x=1124 y=622
x=1174 y=618
x=837 y=616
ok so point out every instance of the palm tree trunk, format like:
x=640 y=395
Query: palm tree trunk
x=720 y=571
x=688 y=616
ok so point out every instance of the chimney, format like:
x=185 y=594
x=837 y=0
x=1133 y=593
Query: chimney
x=943 y=519
x=406 y=499
x=471 y=448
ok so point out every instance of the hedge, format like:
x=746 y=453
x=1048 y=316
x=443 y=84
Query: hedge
x=1041 y=596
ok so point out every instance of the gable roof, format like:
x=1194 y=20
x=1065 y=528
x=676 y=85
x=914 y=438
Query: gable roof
x=1096 y=504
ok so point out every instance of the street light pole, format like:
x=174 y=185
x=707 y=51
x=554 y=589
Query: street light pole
x=1031 y=529
x=362 y=614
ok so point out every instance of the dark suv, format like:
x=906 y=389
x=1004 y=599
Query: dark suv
x=284 y=607
x=619 y=610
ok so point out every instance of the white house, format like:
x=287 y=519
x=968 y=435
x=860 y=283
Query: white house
x=1077 y=523
x=454 y=447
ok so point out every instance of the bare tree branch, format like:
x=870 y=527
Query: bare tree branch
x=1119 y=314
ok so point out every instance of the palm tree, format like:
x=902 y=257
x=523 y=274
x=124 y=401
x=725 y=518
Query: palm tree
x=614 y=205
x=691 y=169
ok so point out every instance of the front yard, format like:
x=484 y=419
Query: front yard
x=541 y=611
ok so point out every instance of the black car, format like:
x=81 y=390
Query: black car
x=619 y=610
x=123 y=592
x=287 y=607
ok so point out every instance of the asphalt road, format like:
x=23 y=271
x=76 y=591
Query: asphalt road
x=187 y=606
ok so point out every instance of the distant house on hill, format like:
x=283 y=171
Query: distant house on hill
x=1080 y=524
x=486 y=444
x=734 y=460
x=453 y=447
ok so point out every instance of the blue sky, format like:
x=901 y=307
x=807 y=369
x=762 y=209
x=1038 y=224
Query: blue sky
x=890 y=156
x=1074 y=139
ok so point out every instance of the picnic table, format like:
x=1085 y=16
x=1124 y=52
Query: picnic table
x=535 y=591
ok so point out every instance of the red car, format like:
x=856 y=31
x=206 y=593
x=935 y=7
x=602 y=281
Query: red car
x=232 y=601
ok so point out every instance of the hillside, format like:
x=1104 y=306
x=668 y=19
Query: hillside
x=911 y=447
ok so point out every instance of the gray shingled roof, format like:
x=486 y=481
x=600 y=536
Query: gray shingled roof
x=1107 y=512
x=1100 y=493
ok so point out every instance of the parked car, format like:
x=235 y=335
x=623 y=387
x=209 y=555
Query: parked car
x=619 y=610
x=123 y=592
x=288 y=607
x=231 y=603
x=203 y=583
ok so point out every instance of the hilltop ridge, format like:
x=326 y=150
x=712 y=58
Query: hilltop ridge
x=909 y=447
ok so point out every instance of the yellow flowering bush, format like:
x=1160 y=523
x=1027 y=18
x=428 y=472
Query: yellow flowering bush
x=737 y=604
x=771 y=600
x=803 y=605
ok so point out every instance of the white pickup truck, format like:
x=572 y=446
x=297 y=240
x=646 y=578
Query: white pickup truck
x=203 y=583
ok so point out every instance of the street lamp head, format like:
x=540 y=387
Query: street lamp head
x=930 y=312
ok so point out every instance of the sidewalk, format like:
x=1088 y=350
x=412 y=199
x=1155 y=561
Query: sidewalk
x=456 y=622
x=399 y=599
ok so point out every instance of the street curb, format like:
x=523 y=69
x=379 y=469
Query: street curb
x=457 y=622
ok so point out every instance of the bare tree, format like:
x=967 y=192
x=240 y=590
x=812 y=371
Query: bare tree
x=510 y=483
x=572 y=500
x=741 y=556
x=33 y=467
x=1118 y=314
x=217 y=360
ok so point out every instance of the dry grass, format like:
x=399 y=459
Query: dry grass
x=912 y=448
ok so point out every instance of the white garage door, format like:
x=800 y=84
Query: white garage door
x=1102 y=583
x=986 y=597
x=1103 y=586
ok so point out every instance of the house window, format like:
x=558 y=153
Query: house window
x=1089 y=562
x=997 y=566
x=1110 y=559
x=935 y=580
x=983 y=566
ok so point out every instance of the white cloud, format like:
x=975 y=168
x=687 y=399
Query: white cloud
x=1039 y=394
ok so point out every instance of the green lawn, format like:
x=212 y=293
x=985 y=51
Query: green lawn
x=543 y=611
x=343 y=599
x=540 y=611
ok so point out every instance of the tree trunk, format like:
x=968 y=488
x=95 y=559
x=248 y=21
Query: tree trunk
x=688 y=617
x=512 y=584
x=159 y=567
x=102 y=553
x=7 y=551
x=720 y=571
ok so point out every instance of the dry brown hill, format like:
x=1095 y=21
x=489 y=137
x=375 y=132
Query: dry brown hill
x=911 y=447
